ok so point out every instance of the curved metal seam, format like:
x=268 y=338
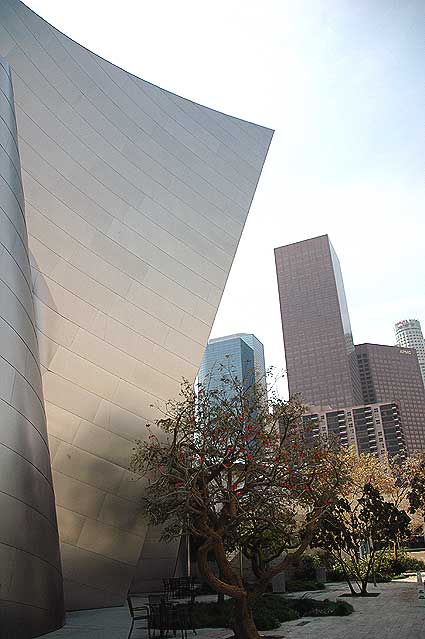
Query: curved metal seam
x=211 y=222
x=114 y=292
x=2 y=399
x=54 y=32
x=132 y=141
x=120 y=197
x=48 y=482
x=25 y=170
x=103 y=258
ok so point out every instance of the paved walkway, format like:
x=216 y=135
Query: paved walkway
x=396 y=613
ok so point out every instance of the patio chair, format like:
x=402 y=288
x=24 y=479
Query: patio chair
x=138 y=613
x=183 y=588
x=166 y=617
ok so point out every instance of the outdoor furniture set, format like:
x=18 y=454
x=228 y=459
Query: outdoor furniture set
x=168 y=611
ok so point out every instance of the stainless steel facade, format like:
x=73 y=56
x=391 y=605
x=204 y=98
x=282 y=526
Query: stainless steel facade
x=135 y=201
x=30 y=571
x=319 y=350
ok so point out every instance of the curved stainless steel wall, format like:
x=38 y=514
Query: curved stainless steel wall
x=30 y=571
x=135 y=202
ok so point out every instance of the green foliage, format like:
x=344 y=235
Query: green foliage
x=265 y=620
x=366 y=521
x=212 y=614
x=417 y=488
x=386 y=567
x=335 y=572
x=390 y=567
x=410 y=564
x=315 y=608
x=277 y=607
x=301 y=586
x=305 y=567
x=221 y=450
x=342 y=609
x=269 y=611
x=228 y=466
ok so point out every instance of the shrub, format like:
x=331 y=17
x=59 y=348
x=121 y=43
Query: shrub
x=212 y=614
x=265 y=620
x=301 y=586
x=404 y=563
x=386 y=567
x=316 y=608
x=269 y=611
x=278 y=607
x=305 y=567
x=342 y=609
x=334 y=572
x=379 y=578
x=389 y=567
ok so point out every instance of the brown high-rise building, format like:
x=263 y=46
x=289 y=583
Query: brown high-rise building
x=375 y=428
x=392 y=374
x=320 y=357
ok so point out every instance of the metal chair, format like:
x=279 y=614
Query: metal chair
x=138 y=613
x=183 y=588
x=166 y=617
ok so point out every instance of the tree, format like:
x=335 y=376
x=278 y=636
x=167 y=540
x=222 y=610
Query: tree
x=365 y=520
x=417 y=486
x=227 y=466
x=400 y=480
x=391 y=476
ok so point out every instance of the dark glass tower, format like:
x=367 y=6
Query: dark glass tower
x=320 y=357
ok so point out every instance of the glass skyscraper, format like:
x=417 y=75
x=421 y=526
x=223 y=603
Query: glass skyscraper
x=241 y=355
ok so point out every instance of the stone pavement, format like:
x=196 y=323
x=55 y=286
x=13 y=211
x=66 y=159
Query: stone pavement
x=395 y=614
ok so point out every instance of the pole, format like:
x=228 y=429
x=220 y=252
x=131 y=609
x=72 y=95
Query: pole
x=241 y=563
x=188 y=562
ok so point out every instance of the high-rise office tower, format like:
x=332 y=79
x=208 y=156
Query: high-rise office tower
x=241 y=354
x=392 y=374
x=408 y=334
x=375 y=428
x=320 y=356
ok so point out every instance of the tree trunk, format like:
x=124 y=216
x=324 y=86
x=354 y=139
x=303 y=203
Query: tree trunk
x=243 y=623
x=351 y=587
x=228 y=588
x=346 y=577
x=220 y=595
x=363 y=592
x=348 y=580
x=395 y=549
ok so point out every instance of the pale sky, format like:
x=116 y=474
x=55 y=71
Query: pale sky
x=341 y=82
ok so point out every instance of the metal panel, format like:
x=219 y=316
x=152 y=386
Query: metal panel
x=31 y=597
x=136 y=201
